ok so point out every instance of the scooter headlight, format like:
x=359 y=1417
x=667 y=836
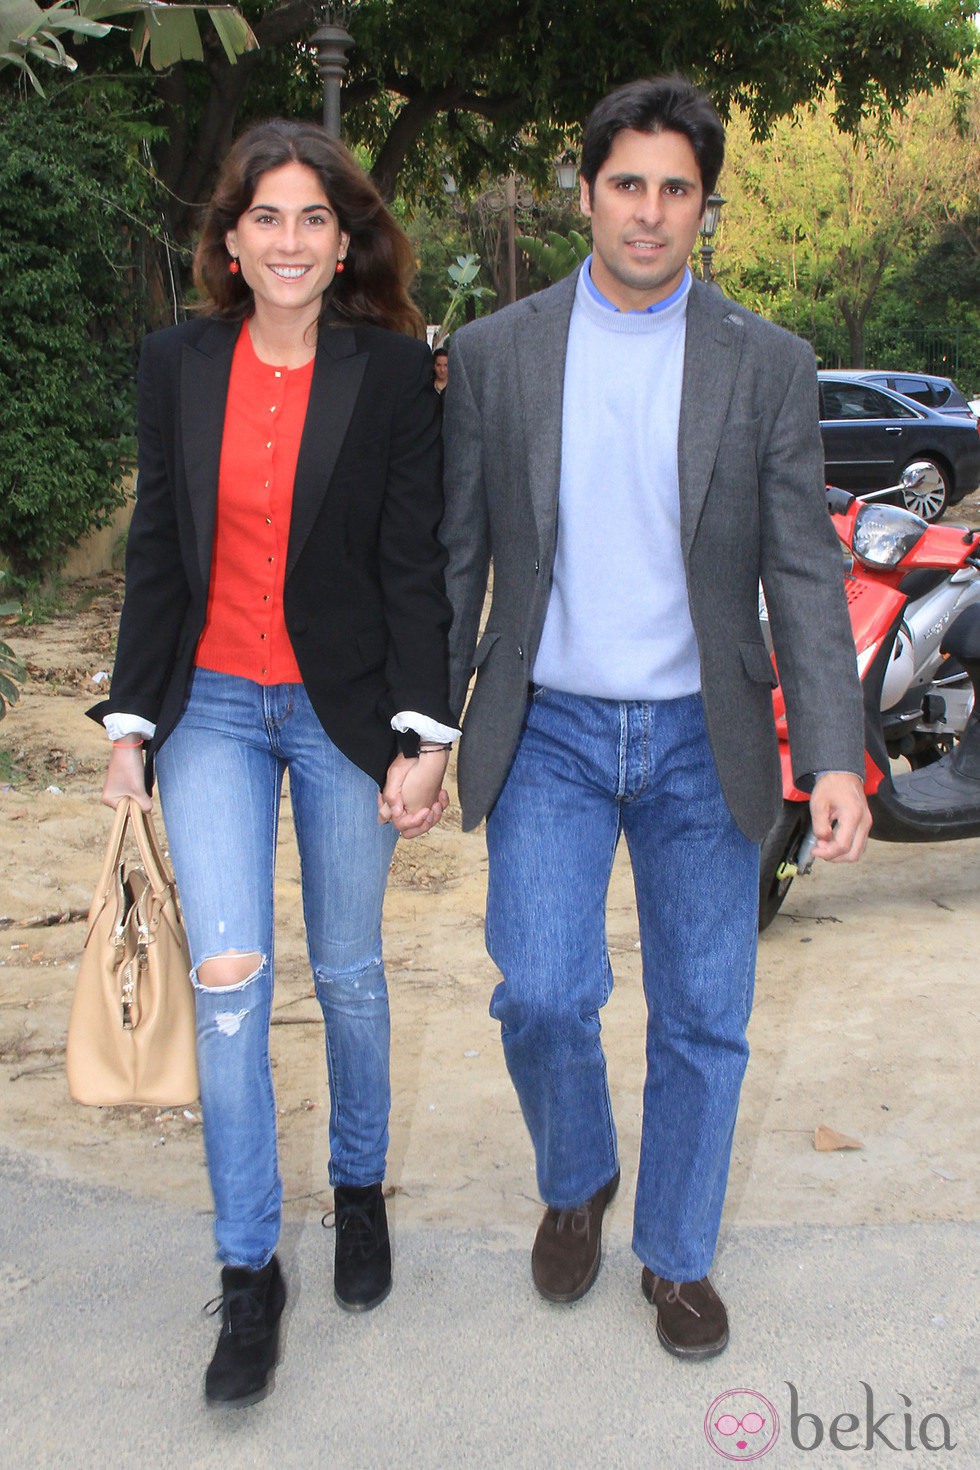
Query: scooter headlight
x=883 y=534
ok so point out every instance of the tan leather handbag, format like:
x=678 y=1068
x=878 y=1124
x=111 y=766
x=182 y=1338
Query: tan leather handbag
x=131 y=1030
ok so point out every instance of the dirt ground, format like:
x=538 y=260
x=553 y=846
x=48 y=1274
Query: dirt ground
x=865 y=1018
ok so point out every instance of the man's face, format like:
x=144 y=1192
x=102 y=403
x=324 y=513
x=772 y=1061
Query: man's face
x=646 y=209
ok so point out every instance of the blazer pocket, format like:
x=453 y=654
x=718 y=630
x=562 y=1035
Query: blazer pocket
x=483 y=648
x=748 y=426
x=758 y=664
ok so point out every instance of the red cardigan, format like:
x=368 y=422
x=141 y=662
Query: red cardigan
x=245 y=629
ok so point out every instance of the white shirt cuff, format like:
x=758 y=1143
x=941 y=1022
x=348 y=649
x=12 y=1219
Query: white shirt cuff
x=117 y=727
x=422 y=725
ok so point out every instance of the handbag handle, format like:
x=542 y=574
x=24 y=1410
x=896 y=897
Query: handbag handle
x=151 y=854
x=113 y=853
x=130 y=816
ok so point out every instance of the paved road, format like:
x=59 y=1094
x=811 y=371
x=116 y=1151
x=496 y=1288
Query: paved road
x=105 y=1346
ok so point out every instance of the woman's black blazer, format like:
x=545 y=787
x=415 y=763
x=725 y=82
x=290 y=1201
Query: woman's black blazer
x=364 y=597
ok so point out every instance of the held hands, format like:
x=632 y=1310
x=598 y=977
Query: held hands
x=840 y=817
x=125 y=777
x=413 y=797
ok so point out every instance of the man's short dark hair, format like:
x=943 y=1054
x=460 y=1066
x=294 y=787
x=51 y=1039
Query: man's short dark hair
x=656 y=105
x=439 y=352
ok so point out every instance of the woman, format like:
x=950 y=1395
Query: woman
x=285 y=610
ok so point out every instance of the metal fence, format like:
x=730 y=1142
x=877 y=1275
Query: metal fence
x=927 y=350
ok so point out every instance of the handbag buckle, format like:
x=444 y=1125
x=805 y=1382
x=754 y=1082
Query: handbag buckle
x=130 y=981
x=128 y=997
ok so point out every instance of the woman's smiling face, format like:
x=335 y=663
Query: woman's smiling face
x=288 y=243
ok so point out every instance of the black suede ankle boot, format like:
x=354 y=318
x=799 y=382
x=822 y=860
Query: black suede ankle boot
x=362 y=1252
x=248 y=1344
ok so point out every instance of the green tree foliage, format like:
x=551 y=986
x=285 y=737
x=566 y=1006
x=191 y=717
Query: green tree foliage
x=494 y=84
x=474 y=74
x=31 y=36
x=12 y=675
x=72 y=212
x=437 y=238
x=464 y=289
x=820 y=222
x=928 y=316
x=555 y=256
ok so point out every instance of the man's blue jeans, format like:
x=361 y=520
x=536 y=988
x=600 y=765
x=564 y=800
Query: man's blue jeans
x=585 y=771
x=220 y=776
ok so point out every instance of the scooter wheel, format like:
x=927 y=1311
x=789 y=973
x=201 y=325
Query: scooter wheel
x=780 y=845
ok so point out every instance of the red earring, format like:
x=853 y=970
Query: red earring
x=233 y=266
x=339 y=268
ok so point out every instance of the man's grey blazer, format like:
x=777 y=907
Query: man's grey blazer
x=752 y=508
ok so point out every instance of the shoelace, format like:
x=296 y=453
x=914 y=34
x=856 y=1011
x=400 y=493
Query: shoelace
x=241 y=1309
x=356 y=1227
x=674 y=1295
x=576 y=1220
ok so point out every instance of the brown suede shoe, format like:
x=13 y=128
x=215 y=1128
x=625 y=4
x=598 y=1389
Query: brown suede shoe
x=568 y=1247
x=691 y=1317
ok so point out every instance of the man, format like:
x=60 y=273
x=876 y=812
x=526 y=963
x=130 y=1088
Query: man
x=634 y=453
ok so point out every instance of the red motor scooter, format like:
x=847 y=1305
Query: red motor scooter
x=913 y=594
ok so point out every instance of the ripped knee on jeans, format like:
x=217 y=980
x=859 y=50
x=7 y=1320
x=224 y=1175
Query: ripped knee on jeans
x=233 y=968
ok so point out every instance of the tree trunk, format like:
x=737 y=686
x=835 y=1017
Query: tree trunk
x=854 y=322
x=413 y=117
x=854 y=304
x=193 y=172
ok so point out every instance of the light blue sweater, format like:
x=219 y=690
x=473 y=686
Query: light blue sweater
x=618 y=625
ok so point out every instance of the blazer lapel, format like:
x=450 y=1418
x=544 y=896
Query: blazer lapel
x=542 y=340
x=204 y=374
x=338 y=372
x=712 y=350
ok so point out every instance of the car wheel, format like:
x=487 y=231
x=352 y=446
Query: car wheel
x=930 y=497
x=781 y=845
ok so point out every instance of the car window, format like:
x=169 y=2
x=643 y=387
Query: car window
x=949 y=396
x=918 y=388
x=850 y=402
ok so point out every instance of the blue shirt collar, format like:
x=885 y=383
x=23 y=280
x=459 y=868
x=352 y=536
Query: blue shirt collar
x=604 y=301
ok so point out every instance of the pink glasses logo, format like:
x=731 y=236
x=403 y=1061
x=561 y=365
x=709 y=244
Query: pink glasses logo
x=741 y=1425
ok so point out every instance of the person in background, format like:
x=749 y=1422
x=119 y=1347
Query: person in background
x=634 y=453
x=285 y=611
x=440 y=369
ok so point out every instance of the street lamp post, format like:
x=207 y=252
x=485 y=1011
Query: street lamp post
x=505 y=201
x=510 y=205
x=566 y=170
x=332 y=40
x=712 y=214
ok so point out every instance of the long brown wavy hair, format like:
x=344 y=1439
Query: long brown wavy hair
x=380 y=262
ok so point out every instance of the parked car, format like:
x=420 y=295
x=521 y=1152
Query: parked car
x=870 y=434
x=928 y=389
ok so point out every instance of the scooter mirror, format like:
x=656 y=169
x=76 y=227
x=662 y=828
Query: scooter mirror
x=921 y=475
